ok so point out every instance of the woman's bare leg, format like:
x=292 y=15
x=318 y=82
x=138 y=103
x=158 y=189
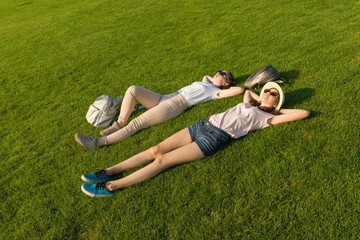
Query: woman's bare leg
x=177 y=140
x=175 y=150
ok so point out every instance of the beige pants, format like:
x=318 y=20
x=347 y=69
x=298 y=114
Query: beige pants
x=160 y=109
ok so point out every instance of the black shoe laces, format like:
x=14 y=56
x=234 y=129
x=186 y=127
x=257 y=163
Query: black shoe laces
x=101 y=186
x=100 y=173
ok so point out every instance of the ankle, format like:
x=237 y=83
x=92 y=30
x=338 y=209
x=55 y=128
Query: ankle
x=120 y=122
x=109 y=173
x=102 y=142
x=110 y=187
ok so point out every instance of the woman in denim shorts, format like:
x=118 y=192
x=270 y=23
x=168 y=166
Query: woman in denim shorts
x=202 y=139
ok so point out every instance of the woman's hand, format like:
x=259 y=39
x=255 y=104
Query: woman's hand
x=250 y=95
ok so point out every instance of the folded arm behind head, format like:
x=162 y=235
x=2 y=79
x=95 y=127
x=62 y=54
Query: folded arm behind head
x=285 y=115
x=289 y=115
x=232 y=91
x=250 y=96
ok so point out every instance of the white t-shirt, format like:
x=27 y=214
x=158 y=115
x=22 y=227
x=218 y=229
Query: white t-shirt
x=241 y=119
x=199 y=92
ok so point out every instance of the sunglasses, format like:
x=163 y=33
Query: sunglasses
x=223 y=74
x=274 y=94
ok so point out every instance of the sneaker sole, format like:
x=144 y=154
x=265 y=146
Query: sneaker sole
x=92 y=194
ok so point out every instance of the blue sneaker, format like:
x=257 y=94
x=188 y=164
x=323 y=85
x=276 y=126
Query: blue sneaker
x=96 y=190
x=96 y=177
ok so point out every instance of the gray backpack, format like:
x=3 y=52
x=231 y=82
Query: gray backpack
x=103 y=111
x=262 y=76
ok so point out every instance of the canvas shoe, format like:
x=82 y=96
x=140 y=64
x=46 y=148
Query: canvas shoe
x=113 y=128
x=96 y=190
x=85 y=141
x=96 y=177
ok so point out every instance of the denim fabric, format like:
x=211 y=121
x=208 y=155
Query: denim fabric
x=209 y=138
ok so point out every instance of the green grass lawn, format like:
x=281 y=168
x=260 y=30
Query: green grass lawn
x=294 y=181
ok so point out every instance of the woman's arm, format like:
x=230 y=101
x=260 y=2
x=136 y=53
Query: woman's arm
x=250 y=95
x=232 y=91
x=289 y=115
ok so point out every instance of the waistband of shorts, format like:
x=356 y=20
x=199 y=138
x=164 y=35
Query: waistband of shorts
x=210 y=126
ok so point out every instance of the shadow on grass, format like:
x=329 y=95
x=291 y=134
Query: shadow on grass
x=290 y=76
x=241 y=79
x=299 y=96
x=314 y=114
x=23 y=4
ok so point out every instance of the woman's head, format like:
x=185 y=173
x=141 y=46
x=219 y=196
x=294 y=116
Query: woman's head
x=223 y=79
x=271 y=97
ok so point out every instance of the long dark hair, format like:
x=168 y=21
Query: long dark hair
x=229 y=79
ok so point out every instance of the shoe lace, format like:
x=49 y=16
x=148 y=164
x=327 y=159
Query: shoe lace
x=100 y=173
x=101 y=186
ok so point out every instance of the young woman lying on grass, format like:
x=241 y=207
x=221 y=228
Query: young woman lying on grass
x=161 y=107
x=202 y=139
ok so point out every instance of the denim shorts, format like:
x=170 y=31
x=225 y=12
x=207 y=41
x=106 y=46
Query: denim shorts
x=209 y=138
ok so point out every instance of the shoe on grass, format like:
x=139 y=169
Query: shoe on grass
x=96 y=177
x=96 y=190
x=85 y=141
x=113 y=128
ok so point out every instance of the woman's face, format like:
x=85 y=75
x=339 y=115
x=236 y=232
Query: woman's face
x=219 y=80
x=269 y=98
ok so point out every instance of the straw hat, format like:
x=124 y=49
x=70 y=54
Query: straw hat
x=270 y=85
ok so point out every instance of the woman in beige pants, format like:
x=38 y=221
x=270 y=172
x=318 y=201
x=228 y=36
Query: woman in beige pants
x=160 y=108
